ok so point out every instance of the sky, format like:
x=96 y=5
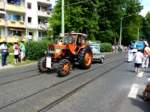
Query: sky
x=53 y=2
x=145 y=3
x=146 y=7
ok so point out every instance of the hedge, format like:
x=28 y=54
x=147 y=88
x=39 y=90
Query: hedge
x=106 y=47
x=35 y=50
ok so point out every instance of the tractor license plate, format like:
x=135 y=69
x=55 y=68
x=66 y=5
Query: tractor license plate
x=48 y=62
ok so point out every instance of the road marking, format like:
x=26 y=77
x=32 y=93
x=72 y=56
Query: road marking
x=140 y=74
x=133 y=91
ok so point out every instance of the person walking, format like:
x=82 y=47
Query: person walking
x=22 y=50
x=4 y=53
x=138 y=60
x=16 y=52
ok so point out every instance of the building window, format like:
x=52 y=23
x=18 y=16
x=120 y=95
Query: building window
x=16 y=2
x=31 y=33
x=29 y=19
x=15 y=17
x=29 y=5
x=14 y=33
x=42 y=34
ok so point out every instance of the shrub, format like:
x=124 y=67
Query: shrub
x=10 y=47
x=106 y=47
x=35 y=50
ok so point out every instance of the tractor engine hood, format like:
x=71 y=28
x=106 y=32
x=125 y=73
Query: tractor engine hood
x=56 y=50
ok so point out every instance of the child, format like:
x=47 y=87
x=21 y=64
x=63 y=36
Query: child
x=138 y=60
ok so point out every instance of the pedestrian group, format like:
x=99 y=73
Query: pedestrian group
x=140 y=57
x=19 y=52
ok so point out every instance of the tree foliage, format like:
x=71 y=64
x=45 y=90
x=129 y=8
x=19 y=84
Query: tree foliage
x=100 y=19
x=146 y=27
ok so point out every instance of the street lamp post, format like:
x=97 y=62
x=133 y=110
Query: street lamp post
x=62 y=19
x=120 y=39
x=138 y=33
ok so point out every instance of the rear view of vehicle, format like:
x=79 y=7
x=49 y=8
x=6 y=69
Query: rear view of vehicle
x=97 y=56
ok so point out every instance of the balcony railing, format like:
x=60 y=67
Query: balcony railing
x=16 y=24
x=15 y=8
x=43 y=13
x=44 y=1
x=2 y=22
x=2 y=38
x=43 y=26
x=1 y=5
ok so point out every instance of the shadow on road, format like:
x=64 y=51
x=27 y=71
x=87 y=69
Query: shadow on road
x=144 y=106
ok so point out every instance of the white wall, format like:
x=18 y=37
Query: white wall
x=32 y=13
x=2 y=31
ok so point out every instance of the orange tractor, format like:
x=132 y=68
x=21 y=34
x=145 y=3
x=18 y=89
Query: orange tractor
x=70 y=50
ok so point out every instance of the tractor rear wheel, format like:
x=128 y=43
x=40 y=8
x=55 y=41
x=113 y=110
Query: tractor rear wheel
x=64 y=68
x=85 y=58
x=42 y=65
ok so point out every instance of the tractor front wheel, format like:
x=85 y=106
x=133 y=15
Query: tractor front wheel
x=42 y=65
x=64 y=67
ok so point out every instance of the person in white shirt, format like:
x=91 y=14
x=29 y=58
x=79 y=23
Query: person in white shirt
x=4 y=53
x=138 y=60
x=16 y=52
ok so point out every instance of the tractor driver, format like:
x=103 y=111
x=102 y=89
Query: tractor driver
x=80 y=41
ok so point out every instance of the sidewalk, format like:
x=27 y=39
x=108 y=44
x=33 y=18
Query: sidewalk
x=6 y=67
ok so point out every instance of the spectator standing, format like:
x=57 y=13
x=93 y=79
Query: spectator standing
x=146 y=56
x=22 y=50
x=138 y=60
x=16 y=52
x=4 y=53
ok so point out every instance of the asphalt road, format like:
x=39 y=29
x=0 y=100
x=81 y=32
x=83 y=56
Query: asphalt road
x=103 y=88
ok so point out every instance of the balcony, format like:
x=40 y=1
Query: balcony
x=15 y=8
x=44 y=1
x=43 y=13
x=16 y=24
x=2 y=39
x=2 y=22
x=43 y=26
x=1 y=5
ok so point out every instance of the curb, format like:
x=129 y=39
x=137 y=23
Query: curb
x=13 y=66
x=33 y=63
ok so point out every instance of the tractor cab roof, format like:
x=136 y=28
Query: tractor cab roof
x=77 y=34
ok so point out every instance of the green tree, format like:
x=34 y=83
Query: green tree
x=100 y=19
x=146 y=27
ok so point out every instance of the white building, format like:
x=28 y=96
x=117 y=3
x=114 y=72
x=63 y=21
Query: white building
x=23 y=19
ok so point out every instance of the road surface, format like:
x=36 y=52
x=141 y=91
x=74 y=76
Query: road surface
x=108 y=87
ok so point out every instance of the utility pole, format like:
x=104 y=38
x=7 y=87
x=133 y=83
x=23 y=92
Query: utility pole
x=62 y=19
x=120 y=39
